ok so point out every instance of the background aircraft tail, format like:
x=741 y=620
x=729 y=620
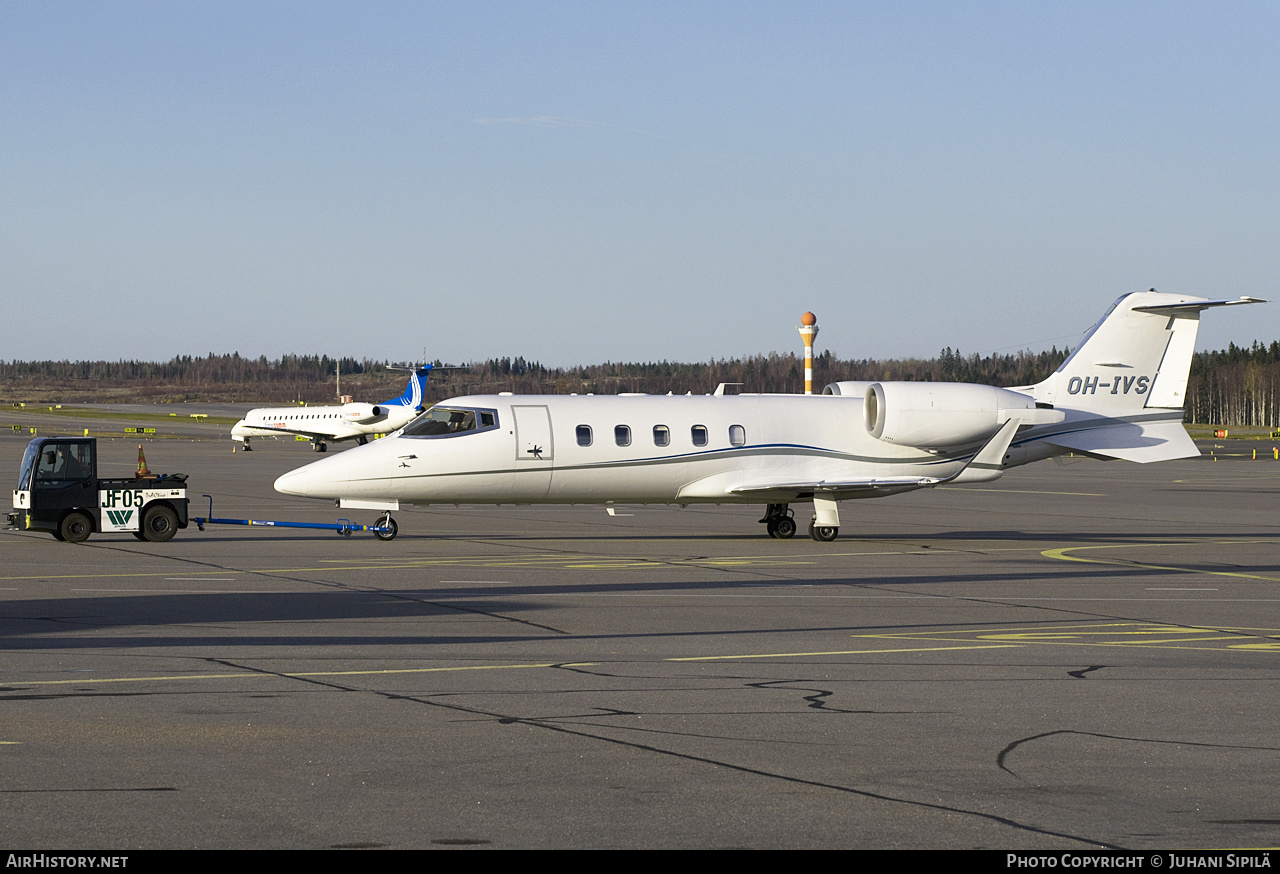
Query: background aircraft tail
x=414 y=392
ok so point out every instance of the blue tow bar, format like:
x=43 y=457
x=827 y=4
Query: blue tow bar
x=385 y=531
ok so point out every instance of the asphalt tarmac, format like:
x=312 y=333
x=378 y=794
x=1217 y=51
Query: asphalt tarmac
x=1076 y=656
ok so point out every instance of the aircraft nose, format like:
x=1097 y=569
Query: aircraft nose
x=320 y=479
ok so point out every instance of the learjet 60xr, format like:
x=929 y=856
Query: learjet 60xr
x=1118 y=396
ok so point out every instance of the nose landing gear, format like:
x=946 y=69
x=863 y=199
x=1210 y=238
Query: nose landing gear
x=385 y=521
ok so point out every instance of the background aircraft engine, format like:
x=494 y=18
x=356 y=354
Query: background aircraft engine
x=938 y=414
x=361 y=413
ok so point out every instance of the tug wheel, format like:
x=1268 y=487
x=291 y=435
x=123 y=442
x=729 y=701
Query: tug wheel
x=159 y=524
x=75 y=528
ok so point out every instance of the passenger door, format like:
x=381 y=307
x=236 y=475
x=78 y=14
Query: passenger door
x=535 y=452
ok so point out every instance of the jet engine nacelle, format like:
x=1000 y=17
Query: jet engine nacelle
x=362 y=413
x=940 y=414
x=848 y=389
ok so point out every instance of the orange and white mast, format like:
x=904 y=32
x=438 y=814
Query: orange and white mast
x=808 y=330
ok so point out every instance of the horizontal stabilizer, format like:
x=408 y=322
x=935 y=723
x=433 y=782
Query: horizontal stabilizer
x=1132 y=441
x=1195 y=306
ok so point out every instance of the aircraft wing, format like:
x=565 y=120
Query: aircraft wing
x=871 y=483
x=262 y=431
x=986 y=464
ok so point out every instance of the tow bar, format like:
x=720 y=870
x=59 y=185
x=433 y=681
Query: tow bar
x=386 y=528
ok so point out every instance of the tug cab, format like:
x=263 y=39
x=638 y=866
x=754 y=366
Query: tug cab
x=59 y=491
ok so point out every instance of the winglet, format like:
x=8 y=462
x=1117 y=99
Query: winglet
x=988 y=463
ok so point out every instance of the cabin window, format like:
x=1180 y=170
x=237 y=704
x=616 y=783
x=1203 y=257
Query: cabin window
x=622 y=435
x=661 y=435
x=737 y=435
x=584 y=435
x=699 y=434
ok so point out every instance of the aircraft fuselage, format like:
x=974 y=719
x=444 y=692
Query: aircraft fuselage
x=628 y=449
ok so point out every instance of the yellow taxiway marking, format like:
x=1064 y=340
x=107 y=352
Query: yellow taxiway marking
x=1062 y=555
x=288 y=674
x=1111 y=634
x=1034 y=492
x=558 y=562
x=793 y=655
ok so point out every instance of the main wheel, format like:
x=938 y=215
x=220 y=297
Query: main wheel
x=75 y=528
x=159 y=524
x=783 y=527
x=320 y=447
x=387 y=522
x=823 y=533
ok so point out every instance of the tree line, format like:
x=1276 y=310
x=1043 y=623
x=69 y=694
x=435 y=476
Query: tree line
x=1236 y=386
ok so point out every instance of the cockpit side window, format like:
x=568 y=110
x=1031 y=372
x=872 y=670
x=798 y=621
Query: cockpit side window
x=451 y=422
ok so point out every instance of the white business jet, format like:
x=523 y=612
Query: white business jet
x=332 y=424
x=1118 y=396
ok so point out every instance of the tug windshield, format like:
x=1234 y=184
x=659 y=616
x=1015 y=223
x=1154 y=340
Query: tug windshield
x=28 y=463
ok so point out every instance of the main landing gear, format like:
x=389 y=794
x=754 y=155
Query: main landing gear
x=778 y=522
x=823 y=533
x=319 y=446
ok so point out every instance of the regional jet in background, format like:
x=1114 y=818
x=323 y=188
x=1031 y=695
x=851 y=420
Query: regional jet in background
x=332 y=424
x=1118 y=396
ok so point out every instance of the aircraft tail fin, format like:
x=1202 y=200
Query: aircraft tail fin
x=414 y=392
x=1137 y=356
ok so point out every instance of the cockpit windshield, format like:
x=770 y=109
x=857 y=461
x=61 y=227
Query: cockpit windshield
x=450 y=422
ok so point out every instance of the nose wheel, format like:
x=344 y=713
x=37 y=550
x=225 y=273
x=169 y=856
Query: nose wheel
x=388 y=523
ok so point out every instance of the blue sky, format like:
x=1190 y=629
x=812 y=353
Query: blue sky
x=581 y=182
